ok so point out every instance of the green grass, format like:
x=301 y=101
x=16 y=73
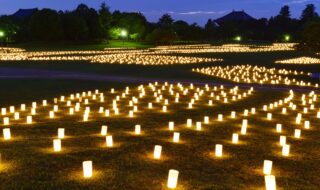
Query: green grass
x=29 y=163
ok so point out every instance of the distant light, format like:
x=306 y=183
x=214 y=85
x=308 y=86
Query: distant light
x=124 y=33
x=1 y=34
x=287 y=38
x=238 y=38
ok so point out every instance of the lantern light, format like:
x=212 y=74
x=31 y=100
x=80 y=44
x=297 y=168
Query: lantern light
x=189 y=122
x=157 y=152
x=267 y=167
x=57 y=145
x=297 y=133
x=218 y=150
x=173 y=179
x=61 y=133
x=282 y=140
x=176 y=137
x=137 y=129
x=235 y=138
x=270 y=182
x=285 y=150
x=6 y=134
x=198 y=126
x=171 y=125
x=109 y=141
x=87 y=169
x=104 y=130
x=279 y=128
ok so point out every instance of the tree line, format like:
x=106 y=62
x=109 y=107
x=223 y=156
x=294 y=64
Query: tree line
x=87 y=24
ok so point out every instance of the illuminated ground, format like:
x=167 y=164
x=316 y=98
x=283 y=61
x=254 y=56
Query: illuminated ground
x=28 y=160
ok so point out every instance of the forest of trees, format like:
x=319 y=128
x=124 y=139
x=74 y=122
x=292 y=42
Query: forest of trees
x=87 y=24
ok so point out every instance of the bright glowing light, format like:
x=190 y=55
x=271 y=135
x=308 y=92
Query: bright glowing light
x=87 y=169
x=109 y=141
x=172 y=179
x=270 y=182
x=61 y=133
x=176 y=137
x=267 y=167
x=104 y=130
x=235 y=138
x=157 y=152
x=218 y=150
x=6 y=134
x=57 y=145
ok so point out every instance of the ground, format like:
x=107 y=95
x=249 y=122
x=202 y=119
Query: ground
x=28 y=160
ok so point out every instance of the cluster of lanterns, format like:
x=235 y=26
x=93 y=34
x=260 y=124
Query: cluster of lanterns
x=256 y=74
x=300 y=61
x=226 y=48
x=156 y=97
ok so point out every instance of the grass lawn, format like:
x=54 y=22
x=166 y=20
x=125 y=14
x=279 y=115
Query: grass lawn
x=29 y=162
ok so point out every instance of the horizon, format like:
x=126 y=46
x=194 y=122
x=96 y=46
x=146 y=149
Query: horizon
x=199 y=13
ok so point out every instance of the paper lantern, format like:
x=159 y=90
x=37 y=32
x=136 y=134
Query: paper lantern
x=172 y=179
x=157 y=152
x=318 y=114
x=245 y=112
x=44 y=102
x=285 y=150
x=23 y=107
x=109 y=141
x=149 y=105
x=61 y=133
x=85 y=117
x=269 y=116
x=245 y=123
x=279 y=128
x=164 y=108
x=233 y=114
x=29 y=119
x=57 y=145
x=218 y=150
x=284 y=110
x=171 y=125
x=51 y=114
x=11 y=109
x=267 y=167
x=198 y=126
x=34 y=104
x=55 y=108
x=189 y=122
x=137 y=129
x=206 y=119
x=135 y=108
x=253 y=110
x=6 y=134
x=87 y=169
x=307 y=124
x=130 y=113
x=235 y=138
x=220 y=117
x=33 y=111
x=6 y=121
x=71 y=111
x=176 y=137
x=104 y=130
x=270 y=182
x=282 y=140
x=243 y=130
x=16 y=115
x=297 y=133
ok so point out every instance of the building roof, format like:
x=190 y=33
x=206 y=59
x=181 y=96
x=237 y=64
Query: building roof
x=235 y=16
x=24 y=13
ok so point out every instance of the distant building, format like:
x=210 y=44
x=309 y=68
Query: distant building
x=235 y=16
x=24 y=13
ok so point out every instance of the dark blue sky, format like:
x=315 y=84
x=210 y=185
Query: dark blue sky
x=190 y=10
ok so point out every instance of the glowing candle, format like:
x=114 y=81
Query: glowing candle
x=71 y=111
x=57 y=145
x=244 y=123
x=282 y=140
x=61 y=133
x=149 y=105
x=109 y=141
x=130 y=113
x=85 y=117
x=87 y=169
x=6 y=134
x=243 y=130
x=104 y=130
x=51 y=114
x=176 y=137
x=285 y=150
x=55 y=108
x=171 y=125
x=23 y=107
x=297 y=133
x=218 y=151
x=206 y=119
x=198 y=126
x=245 y=112
x=267 y=167
x=44 y=102
x=270 y=182
x=318 y=114
x=173 y=179
x=269 y=116
x=307 y=124
x=157 y=152
x=284 y=110
x=235 y=138
x=11 y=109
x=233 y=114
x=220 y=117
x=279 y=128
x=6 y=121
x=33 y=111
x=164 y=108
x=189 y=122
x=29 y=119
x=137 y=129
x=16 y=115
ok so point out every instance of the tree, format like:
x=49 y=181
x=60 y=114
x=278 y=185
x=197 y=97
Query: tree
x=75 y=27
x=165 y=21
x=285 y=12
x=310 y=36
x=210 y=29
x=309 y=13
x=45 y=25
x=105 y=18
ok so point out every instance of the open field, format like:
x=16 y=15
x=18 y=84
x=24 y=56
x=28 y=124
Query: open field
x=29 y=161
